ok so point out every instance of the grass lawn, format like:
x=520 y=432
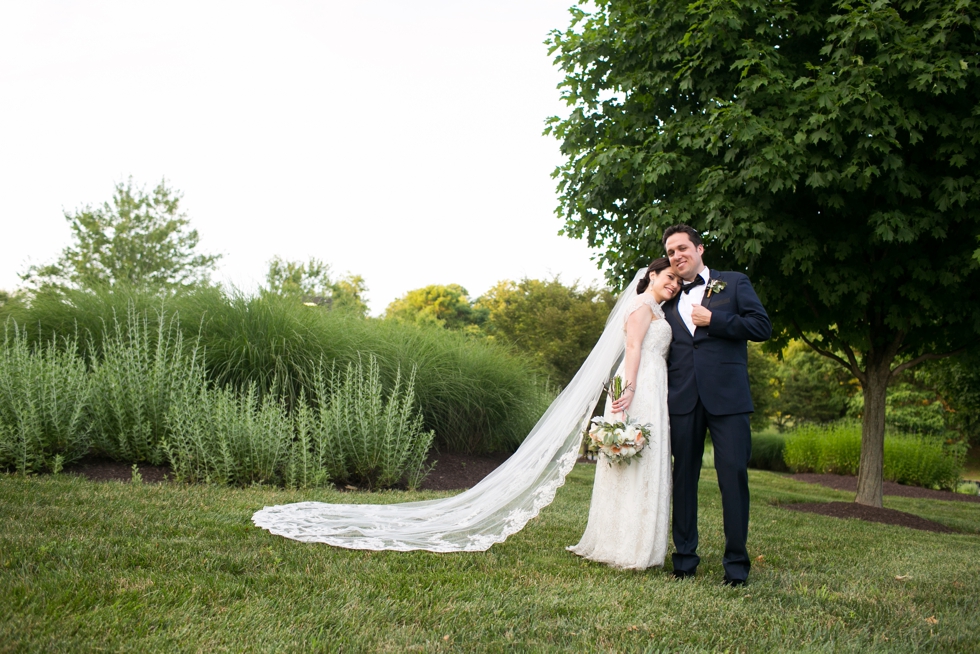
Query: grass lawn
x=110 y=566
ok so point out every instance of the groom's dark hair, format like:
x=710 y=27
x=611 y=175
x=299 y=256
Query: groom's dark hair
x=687 y=229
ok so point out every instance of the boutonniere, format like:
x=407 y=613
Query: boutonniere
x=716 y=286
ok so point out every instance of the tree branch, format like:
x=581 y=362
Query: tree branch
x=830 y=355
x=896 y=345
x=926 y=357
x=855 y=367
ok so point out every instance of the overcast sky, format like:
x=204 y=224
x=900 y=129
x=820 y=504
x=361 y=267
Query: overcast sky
x=401 y=141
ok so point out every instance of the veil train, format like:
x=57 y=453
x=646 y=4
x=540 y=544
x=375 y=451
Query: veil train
x=500 y=505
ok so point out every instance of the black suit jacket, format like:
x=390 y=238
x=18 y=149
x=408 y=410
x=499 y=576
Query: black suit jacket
x=713 y=363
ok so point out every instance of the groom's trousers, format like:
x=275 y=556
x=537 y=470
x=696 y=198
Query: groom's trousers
x=731 y=439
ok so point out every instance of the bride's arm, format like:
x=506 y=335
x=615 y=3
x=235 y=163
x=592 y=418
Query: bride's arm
x=636 y=328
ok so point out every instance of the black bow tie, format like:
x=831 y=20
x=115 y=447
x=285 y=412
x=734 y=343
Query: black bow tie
x=698 y=281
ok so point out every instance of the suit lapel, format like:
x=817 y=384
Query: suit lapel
x=674 y=319
x=706 y=300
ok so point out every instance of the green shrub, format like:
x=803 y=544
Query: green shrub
x=361 y=435
x=221 y=436
x=919 y=461
x=476 y=396
x=767 y=452
x=834 y=449
x=373 y=440
x=908 y=459
x=137 y=368
x=44 y=391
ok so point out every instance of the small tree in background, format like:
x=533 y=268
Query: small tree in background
x=556 y=325
x=437 y=305
x=957 y=381
x=312 y=284
x=811 y=388
x=140 y=240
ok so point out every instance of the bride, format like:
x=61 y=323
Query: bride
x=628 y=517
x=513 y=494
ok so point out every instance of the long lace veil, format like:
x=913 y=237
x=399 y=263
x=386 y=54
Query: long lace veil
x=500 y=505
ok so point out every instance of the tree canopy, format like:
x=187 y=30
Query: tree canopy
x=141 y=240
x=828 y=149
x=439 y=305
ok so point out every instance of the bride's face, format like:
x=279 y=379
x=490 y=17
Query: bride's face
x=665 y=284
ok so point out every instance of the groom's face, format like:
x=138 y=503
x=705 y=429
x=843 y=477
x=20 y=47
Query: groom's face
x=685 y=257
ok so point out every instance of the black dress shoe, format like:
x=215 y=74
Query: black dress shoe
x=734 y=583
x=681 y=574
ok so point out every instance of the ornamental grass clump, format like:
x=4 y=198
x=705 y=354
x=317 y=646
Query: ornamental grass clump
x=767 y=452
x=922 y=461
x=44 y=391
x=909 y=459
x=137 y=368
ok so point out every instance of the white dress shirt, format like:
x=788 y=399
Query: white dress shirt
x=687 y=301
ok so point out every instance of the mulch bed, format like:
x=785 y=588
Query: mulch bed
x=458 y=471
x=107 y=470
x=874 y=514
x=869 y=514
x=845 y=483
x=452 y=471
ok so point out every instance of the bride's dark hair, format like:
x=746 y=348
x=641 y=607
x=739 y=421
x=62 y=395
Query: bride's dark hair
x=658 y=264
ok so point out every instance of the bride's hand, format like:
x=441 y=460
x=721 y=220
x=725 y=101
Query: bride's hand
x=624 y=400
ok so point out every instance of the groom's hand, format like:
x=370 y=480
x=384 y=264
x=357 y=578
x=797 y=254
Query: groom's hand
x=700 y=316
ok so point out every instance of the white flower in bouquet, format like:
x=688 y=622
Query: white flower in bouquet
x=618 y=441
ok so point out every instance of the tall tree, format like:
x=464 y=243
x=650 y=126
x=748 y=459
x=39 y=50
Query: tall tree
x=313 y=284
x=140 y=239
x=828 y=149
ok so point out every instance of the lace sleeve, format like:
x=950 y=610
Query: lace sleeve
x=643 y=300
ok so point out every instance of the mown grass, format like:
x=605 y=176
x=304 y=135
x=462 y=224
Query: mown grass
x=109 y=566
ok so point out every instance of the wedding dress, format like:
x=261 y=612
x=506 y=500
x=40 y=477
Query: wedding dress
x=629 y=514
x=500 y=505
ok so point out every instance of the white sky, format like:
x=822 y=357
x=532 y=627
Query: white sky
x=399 y=140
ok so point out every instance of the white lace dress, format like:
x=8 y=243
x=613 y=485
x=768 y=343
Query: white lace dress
x=629 y=514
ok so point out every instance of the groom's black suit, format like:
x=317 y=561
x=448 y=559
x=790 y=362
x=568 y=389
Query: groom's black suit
x=708 y=390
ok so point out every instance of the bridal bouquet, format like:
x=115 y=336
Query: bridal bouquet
x=618 y=441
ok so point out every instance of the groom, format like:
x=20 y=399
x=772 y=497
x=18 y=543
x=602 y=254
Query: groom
x=712 y=317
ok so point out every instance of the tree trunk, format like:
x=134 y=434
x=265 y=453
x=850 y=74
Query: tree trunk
x=873 y=435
